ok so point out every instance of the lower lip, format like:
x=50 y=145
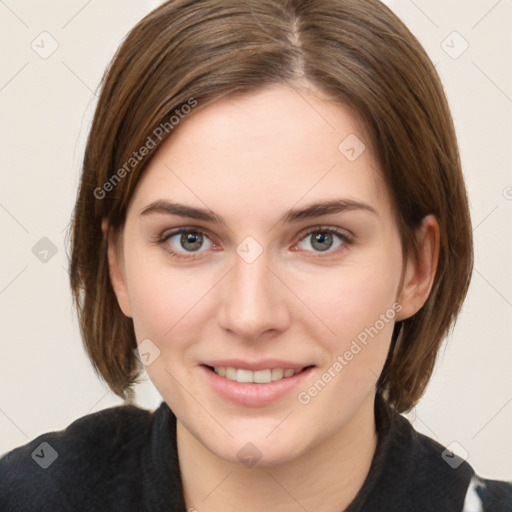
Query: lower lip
x=250 y=394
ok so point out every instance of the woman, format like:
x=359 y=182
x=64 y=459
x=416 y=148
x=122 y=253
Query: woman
x=273 y=222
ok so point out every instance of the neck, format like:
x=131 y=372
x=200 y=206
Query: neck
x=326 y=478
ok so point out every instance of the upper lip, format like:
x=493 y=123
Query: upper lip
x=263 y=364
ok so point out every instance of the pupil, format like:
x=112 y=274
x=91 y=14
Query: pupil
x=194 y=239
x=320 y=239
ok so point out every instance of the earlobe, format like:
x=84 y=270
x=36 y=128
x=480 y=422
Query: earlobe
x=116 y=271
x=420 y=270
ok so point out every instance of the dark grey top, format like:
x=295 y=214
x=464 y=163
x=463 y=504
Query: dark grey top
x=125 y=459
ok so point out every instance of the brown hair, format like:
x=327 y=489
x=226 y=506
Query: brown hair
x=358 y=52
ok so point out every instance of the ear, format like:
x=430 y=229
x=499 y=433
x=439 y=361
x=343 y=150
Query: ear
x=420 y=270
x=116 y=271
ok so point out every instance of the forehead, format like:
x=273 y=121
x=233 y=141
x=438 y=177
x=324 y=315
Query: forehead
x=264 y=152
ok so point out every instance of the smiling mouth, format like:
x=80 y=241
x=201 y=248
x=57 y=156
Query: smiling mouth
x=257 y=377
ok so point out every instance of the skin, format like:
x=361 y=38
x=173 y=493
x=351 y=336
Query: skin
x=249 y=159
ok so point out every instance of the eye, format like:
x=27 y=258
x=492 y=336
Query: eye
x=324 y=240
x=183 y=241
x=186 y=242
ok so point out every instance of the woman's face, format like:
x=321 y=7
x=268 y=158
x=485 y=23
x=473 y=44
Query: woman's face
x=226 y=263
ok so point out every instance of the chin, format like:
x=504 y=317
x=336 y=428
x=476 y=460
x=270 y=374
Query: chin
x=257 y=455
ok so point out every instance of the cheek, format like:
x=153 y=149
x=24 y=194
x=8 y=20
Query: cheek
x=349 y=299
x=171 y=306
x=356 y=307
x=160 y=299
x=360 y=308
x=167 y=309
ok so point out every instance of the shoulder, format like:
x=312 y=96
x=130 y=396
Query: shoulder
x=72 y=465
x=431 y=476
x=479 y=494
x=447 y=477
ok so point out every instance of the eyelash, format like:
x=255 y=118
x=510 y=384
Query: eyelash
x=162 y=240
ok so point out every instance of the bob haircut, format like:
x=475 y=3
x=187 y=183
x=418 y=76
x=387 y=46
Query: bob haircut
x=360 y=54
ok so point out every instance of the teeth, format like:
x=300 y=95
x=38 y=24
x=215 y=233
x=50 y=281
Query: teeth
x=244 y=376
x=230 y=373
x=259 y=376
x=277 y=373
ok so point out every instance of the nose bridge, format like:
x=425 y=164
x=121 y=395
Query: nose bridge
x=252 y=302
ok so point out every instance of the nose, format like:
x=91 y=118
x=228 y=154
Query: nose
x=254 y=301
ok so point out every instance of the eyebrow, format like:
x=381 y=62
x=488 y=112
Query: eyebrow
x=314 y=210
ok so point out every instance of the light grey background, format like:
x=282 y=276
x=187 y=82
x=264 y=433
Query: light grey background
x=46 y=104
